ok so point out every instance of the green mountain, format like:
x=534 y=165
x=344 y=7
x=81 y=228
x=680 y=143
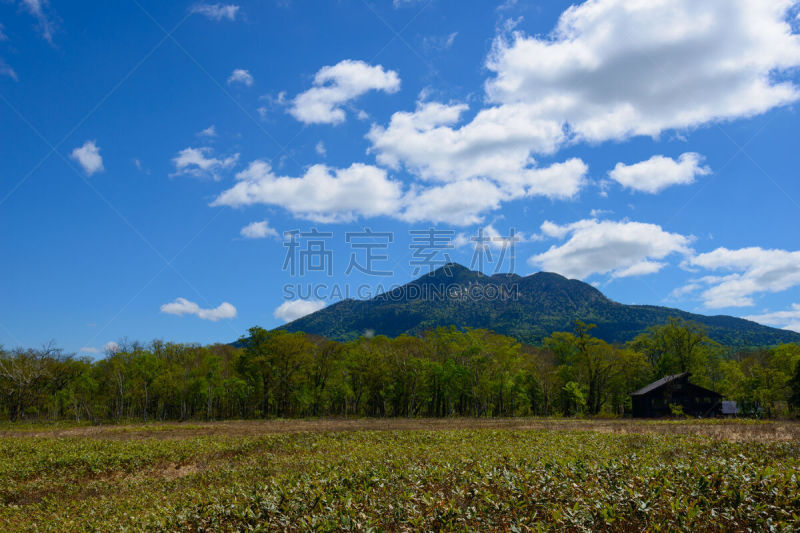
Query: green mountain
x=528 y=308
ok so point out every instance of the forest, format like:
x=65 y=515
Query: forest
x=444 y=372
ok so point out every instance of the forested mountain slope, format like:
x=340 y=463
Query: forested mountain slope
x=527 y=308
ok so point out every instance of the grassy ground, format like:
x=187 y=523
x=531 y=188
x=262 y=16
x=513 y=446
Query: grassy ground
x=461 y=474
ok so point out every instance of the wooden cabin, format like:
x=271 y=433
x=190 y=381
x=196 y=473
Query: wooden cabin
x=654 y=400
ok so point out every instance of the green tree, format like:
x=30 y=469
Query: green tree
x=573 y=398
x=675 y=347
x=592 y=360
x=23 y=373
x=795 y=388
x=256 y=365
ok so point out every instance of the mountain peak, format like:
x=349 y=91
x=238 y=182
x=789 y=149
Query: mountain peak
x=448 y=274
x=527 y=308
x=450 y=270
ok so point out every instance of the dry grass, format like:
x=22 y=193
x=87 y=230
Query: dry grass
x=402 y=475
x=732 y=430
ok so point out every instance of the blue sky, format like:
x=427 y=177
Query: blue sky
x=152 y=154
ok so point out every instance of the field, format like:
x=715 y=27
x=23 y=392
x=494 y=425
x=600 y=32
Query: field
x=396 y=474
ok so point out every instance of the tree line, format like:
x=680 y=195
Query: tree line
x=444 y=372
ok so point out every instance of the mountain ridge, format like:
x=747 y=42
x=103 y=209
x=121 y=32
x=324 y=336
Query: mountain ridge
x=528 y=308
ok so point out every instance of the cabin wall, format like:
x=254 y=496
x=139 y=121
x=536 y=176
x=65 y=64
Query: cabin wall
x=696 y=401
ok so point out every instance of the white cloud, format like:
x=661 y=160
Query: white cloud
x=609 y=70
x=621 y=249
x=492 y=152
x=320 y=149
x=258 y=230
x=497 y=144
x=111 y=347
x=6 y=70
x=752 y=270
x=88 y=156
x=88 y=349
x=439 y=42
x=322 y=194
x=789 y=319
x=492 y=238
x=210 y=131
x=216 y=11
x=38 y=9
x=504 y=240
x=466 y=201
x=242 y=76
x=612 y=69
x=182 y=306
x=642 y=268
x=294 y=309
x=460 y=203
x=551 y=229
x=336 y=85
x=325 y=194
x=597 y=213
x=680 y=292
x=659 y=172
x=195 y=162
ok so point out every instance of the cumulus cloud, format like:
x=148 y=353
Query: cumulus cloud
x=460 y=203
x=659 y=172
x=198 y=163
x=338 y=84
x=326 y=194
x=216 y=11
x=241 y=76
x=497 y=144
x=320 y=149
x=750 y=271
x=258 y=230
x=294 y=309
x=182 y=306
x=621 y=249
x=466 y=201
x=490 y=154
x=789 y=319
x=612 y=69
x=322 y=194
x=609 y=70
x=88 y=156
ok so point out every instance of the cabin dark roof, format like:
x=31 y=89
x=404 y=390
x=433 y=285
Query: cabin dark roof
x=660 y=383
